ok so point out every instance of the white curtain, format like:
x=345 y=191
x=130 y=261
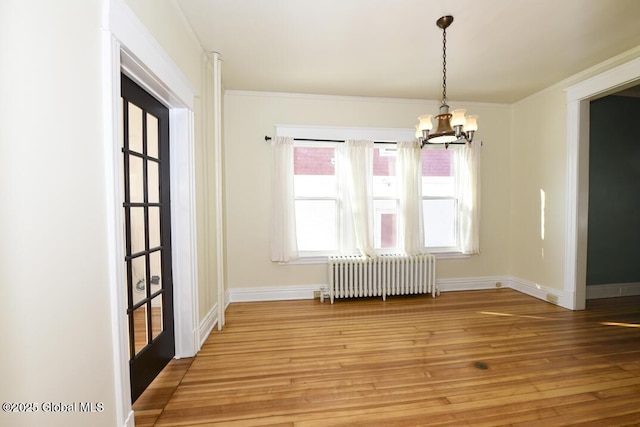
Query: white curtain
x=410 y=221
x=468 y=187
x=359 y=163
x=284 y=245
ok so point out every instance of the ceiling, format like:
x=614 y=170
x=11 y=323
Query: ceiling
x=497 y=50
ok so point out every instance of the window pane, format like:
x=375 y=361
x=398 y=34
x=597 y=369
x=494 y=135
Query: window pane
x=139 y=277
x=316 y=225
x=153 y=182
x=156 y=316
x=139 y=319
x=437 y=162
x=385 y=221
x=314 y=171
x=152 y=136
x=384 y=172
x=438 y=172
x=137 y=230
x=135 y=128
x=440 y=220
x=155 y=266
x=136 y=180
x=154 y=227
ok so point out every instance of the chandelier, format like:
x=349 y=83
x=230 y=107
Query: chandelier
x=451 y=128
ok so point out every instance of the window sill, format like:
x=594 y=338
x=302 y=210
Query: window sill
x=307 y=260
x=324 y=259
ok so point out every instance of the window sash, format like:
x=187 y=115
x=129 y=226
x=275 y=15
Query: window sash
x=344 y=236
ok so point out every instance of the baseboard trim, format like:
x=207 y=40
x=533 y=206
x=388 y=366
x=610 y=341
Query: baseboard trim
x=302 y=292
x=273 y=294
x=553 y=296
x=613 y=290
x=129 y=422
x=207 y=324
x=472 y=283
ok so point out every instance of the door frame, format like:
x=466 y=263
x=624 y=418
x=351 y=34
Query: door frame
x=128 y=47
x=577 y=209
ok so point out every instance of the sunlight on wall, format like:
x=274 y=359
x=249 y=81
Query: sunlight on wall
x=543 y=201
x=542 y=212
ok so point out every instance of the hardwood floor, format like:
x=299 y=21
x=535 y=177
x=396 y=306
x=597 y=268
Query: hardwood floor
x=481 y=358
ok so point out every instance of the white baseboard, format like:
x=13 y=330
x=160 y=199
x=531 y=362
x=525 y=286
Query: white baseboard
x=273 y=294
x=554 y=296
x=613 y=290
x=207 y=324
x=301 y=292
x=129 y=422
x=472 y=283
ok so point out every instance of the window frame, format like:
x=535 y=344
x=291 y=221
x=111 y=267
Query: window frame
x=332 y=136
x=456 y=248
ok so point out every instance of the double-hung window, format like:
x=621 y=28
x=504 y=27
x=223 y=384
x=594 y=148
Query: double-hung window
x=385 y=198
x=318 y=198
x=324 y=218
x=439 y=199
x=321 y=199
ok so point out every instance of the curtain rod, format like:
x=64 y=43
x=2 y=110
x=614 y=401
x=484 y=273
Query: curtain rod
x=268 y=138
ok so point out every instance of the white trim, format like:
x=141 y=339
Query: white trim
x=305 y=292
x=585 y=74
x=227 y=299
x=115 y=244
x=613 y=290
x=218 y=186
x=367 y=99
x=542 y=292
x=183 y=232
x=344 y=133
x=129 y=47
x=207 y=324
x=472 y=283
x=130 y=421
x=324 y=259
x=577 y=185
x=161 y=75
x=273 y=293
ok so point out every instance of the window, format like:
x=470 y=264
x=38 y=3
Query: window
x=318 y=198
x=385 y=197
x=323 y=220
x=439 y=202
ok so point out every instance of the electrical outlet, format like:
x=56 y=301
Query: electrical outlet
x=498 y=284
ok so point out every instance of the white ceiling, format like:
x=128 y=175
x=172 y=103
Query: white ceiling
x=497 y=50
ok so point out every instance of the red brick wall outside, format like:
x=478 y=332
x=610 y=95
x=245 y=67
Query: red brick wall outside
x=437 y=162
x=313 y=161
x=388 y=230
x=320 y=161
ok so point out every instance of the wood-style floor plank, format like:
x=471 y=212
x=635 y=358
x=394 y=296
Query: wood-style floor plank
x=484 y=358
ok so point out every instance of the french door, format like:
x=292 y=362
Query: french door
x=147 y=233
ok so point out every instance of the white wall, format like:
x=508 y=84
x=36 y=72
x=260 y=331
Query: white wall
x=539 y=161
x=249 y=116
x=538 y=158
x=165 y=21
x=55 y=319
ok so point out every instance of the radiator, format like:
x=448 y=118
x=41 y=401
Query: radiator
x=353 y=276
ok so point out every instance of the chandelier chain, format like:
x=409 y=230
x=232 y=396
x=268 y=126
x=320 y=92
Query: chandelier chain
x=444 y=66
